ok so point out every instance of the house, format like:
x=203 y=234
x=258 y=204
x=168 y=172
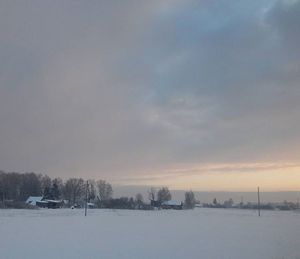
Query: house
x=32 y=200
x=175 y=205
x=44 y=203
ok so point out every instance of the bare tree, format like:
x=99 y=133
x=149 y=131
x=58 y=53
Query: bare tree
x=30 y=186
x=92 y=190
x=139 y=199
x=164 y=194
x=56 y=188
x=74 y=190
x=11 y=186
x=152 y=194
x=46 y=186
x=45 y=182
x=105 y=190
x=18 y=186
x=190 y=200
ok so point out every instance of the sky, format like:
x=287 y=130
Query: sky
x=200 y=95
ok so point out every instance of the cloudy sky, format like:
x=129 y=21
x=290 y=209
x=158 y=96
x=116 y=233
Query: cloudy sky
x=189 y=94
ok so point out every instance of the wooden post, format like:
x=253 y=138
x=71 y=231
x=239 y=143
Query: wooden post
x=86 y=198
x=258 y=201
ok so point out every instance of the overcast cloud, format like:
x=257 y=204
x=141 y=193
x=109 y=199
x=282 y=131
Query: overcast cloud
x=112 y=89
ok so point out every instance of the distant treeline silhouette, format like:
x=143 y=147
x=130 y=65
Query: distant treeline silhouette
x=15 y=188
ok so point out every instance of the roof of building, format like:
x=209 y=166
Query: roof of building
x=33 y=199
x=171 y=203
x=54 y=201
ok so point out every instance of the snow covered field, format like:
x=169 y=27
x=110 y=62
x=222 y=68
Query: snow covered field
x=199 y=233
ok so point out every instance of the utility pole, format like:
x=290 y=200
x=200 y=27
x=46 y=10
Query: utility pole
x=3 y=195
x=258 y=201
x=3 y=199
x=86 y=198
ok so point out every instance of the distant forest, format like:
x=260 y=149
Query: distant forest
x=15 y=188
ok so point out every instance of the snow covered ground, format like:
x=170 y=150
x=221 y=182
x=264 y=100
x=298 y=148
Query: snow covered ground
x=199 y=233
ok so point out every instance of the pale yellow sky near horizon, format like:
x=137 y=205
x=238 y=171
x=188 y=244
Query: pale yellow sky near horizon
x=224 y=177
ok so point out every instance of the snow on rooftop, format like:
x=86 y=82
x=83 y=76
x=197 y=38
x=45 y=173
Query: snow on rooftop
x=33 y=199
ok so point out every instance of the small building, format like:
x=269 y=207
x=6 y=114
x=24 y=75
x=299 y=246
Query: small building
x=32 y=200
x=44 y=203
x=91 y=205
x=54 y=204
x=175 y=205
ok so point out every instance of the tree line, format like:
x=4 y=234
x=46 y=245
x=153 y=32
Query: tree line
x=17 y=187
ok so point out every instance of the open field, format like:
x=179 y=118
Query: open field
x=199 y=233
